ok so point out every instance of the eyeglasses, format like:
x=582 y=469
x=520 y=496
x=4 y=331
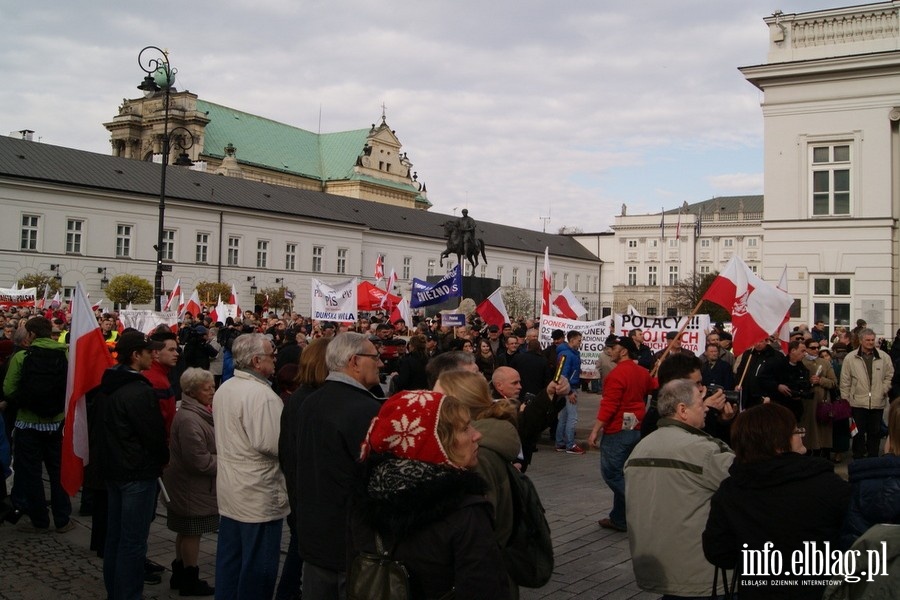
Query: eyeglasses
x=372 y=356
x=813 y=347
x=801 y=431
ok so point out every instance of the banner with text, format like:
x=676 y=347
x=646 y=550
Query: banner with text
x=17 y=296
x=593 y=337
x=426 y=294
x=148 y=320
x=655 y=329
x=334 y=303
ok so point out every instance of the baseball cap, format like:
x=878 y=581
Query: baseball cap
x=626 y=342
x=134 y=341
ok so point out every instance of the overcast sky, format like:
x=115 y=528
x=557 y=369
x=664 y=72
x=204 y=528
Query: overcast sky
x=517 y=109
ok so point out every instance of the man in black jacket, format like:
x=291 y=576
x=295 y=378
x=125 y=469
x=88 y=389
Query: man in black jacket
x=132 y=454
x=333 y=423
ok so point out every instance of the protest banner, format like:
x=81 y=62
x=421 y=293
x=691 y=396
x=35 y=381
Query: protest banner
x=427 y=294
x=147 y=320
x=450 y=319
x=17 y=296
x=655 y=329
x=593 y=337
x=334 y=303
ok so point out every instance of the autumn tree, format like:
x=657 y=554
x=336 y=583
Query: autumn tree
x=39 y=280
x=210 y=291
x=128 y=289
x=517 y=301
x=277 y=301
x=687 y=292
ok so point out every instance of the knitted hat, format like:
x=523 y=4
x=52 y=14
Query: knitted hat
x=406 y=426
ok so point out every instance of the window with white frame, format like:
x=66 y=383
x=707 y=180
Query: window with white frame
x=830 y=174
x=500 y=274
x=515 y=276
x=653 y=244
x=529 y=277
x=632 y=243
x=704 y=243
x=632 y=275
x=704 y=269
x=652 y=275
x=728 y=242
x=754 y=268
x=831 y=300
x=595 y=285
x=123 y=241
x=565 y=280
x=201 y=250
x=234 y=251
x=74 y=233
x=342 y=260
x=262 y=254
x=30 y=225
x=673 y=242
x=407 y=267
x=317 y=253
x=673 y=274
x=483 y=271
x=577 y=282
x=168 y=247
x=752 y=242
x=431 y=262
x=470 y=270
x=290 y=256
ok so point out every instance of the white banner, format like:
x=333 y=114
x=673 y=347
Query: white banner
x=334 y=303
x=593 y=338
x=147 y=320
x=655 y=329
x=17 y=296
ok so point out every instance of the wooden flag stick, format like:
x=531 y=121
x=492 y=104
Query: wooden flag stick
x=678 y=335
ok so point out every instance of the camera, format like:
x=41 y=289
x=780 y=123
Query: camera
x=732 y=397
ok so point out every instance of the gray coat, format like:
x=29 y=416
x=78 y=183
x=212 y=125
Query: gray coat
x=190 y=478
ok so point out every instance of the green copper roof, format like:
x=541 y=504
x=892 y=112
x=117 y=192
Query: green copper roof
x=274 y=145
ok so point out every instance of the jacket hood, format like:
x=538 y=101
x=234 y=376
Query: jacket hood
x=774 y=472
x=119 y=376
x=404 y=496
x=49 y=343
x=500 y=436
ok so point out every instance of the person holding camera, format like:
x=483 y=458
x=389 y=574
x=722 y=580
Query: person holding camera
x=786 y=380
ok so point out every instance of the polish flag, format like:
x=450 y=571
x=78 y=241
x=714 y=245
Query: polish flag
x=88 y=359
x=176 y=293
x=784 y=333
x=757 y=308
x=568 y=306
x=266 y=304
x=545 y=291
x=492 y=311
x=46 y=297
x=233 y=299
x=54 y=304
x=401 y=311
x=379 y=268
x=392 y=279
x=217 y=310
x=193 y=306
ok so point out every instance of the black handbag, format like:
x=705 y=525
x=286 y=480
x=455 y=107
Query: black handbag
x=377 y=576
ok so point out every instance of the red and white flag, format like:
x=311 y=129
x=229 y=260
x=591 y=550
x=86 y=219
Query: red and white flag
x=88 y=359
x=266 y=304
x=46 y=297
x=233 y=299
x=547 y=285
x=401 y=311
x=55 y=303
x=784 y=332
x=217 y=310
x=379 y=268
x=392 y=279
x=193 y=306
x=757 y=308
x=176 y=293
x=493 y=311
x=568 y=306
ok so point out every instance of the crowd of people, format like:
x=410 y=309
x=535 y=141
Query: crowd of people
x=381 y=437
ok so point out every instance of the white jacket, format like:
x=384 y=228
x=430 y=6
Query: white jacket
x=250 y=485
x=855 y=384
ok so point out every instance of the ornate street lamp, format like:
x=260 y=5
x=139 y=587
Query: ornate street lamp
x=103 y=280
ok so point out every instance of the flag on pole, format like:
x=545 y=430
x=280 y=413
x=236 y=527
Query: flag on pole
x=88 y=359
x=392 y=279
x=492 y=310
x=757 y=308
x=233 y=299
x=266 y=304
x=379 y=268
x=217 y=310
x=547 y=284
x=46 y=296
x=698 y=224
x=176 y=293
x=784 y=332
x=401 y=311
x=54 y=304
x=662 y=224
x=193 y=305
x=568 y=306
x=678 y=226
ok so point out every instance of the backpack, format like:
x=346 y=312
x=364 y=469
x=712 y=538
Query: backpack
x=42 y=381
x=528 y=555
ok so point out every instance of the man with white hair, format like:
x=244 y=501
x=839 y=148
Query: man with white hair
x=250 y=486
x=333 y=423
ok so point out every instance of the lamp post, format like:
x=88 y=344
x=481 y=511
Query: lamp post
x=103 y=280
x=160 y=78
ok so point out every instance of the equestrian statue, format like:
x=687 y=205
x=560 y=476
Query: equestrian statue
x=461 y=240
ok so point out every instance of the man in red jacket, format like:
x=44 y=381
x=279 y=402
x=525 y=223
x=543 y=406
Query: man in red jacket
x=164 y=360
x=619 y=418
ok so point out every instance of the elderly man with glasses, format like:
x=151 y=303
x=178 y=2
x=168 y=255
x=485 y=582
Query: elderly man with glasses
x=250 y=485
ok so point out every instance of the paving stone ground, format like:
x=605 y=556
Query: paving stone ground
x=591 y=563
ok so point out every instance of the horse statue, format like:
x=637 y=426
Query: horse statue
x=458 y=245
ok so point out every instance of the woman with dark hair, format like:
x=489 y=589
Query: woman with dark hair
x=774 y=496
x=423 y=502
x=485 y=359
x=311 y=375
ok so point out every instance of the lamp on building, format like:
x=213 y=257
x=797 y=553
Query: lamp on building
x=57 y=277
x=161 y=78
x=103 y=280
x=252 y=286
x=279 y=280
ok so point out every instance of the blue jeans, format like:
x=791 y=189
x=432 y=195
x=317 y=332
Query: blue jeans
x=247 y=559
x=31 y=450
x=565 y=427
x=131 y=508
x=615 y=448
x=320 y=583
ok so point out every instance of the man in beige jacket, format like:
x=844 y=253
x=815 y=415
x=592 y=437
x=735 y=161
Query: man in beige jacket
x=865 y=382
x=250 y=486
